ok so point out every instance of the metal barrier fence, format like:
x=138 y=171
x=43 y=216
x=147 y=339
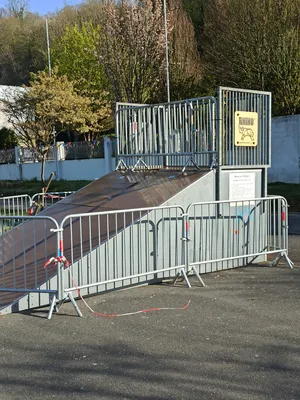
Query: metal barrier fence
x=50 y=198
x=84 y=150
x=170 y=134
x=15 y=205
x=24 y=249
x=113 y=249
x=226 y=234
x=97 y=252
x=21 y=204
x=29 y=155
x=241 y=113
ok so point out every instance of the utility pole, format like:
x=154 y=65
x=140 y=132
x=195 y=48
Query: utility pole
x=48 y=47
x=167 y=51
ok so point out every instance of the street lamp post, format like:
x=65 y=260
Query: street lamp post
x=54 y=133
x=167 y=51
x=48 y=47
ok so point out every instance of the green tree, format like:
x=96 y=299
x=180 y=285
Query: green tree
x=195 y=10
x=8 y=139
x=51 y=101
x=75 y=55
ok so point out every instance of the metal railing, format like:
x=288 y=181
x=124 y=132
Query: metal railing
x=170 y=134
x=50 y=198
x=227 y=234
x=231 y=102
x=126 y=247
x=24 y=250
x=15 y=205
x=29 y=155
x=84 y=150
x=204 y=131
x=97 y=252
x=22 y=204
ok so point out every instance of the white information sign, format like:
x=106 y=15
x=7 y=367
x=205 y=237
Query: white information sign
x=241 y=186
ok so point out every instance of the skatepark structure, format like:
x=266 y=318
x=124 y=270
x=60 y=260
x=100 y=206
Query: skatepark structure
x=189 y=195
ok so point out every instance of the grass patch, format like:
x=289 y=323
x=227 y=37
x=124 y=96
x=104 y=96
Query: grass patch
x=14 y=188
x=291 y=191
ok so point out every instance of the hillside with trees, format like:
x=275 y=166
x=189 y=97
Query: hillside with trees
x=115 y=51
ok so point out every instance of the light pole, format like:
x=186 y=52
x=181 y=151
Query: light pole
x=48 y=47
x=54 y=133
x=167 y=51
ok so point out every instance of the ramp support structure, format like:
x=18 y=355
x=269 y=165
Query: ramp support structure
x=192 y=161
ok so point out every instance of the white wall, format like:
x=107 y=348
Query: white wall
x=85 y=169
x=285 y=150
x=88 y=169
x=9 y=172
x=69 y=170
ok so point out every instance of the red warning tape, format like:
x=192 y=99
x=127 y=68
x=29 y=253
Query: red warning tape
x=55 y=260
x=125 y=314
x=147 y=310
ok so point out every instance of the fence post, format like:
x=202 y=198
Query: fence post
x=185 y=239
x=107 y=154
x=18 y=162
x=60 y=265
x=17 y=158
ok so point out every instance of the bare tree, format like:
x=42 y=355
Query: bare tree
x=131 y=48
x=3 y=12
x=17 y=8
x=185 y=62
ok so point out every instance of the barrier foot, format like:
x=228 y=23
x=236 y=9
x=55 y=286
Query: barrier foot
x=198 y=276
x=139 y=161
x=72 y=300
x=52 y=305
x=121 y=162
x=279 y=257
x=182 y=274
x=190 y=160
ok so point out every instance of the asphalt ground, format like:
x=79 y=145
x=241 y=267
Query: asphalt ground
x=238 y=339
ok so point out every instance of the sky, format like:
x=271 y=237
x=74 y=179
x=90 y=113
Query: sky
x=45 y=6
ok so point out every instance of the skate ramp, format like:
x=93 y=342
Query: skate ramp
x=25 y=245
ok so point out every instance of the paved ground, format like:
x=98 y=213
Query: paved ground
x=238 y=339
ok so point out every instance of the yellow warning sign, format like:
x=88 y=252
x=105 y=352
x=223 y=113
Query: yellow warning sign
x=245 y=128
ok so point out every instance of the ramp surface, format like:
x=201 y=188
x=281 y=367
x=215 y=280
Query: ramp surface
x=115 y=191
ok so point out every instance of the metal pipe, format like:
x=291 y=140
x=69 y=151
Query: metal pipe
x=167 y=52
x=48 y=48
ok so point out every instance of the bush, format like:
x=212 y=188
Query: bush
x=8 y=139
